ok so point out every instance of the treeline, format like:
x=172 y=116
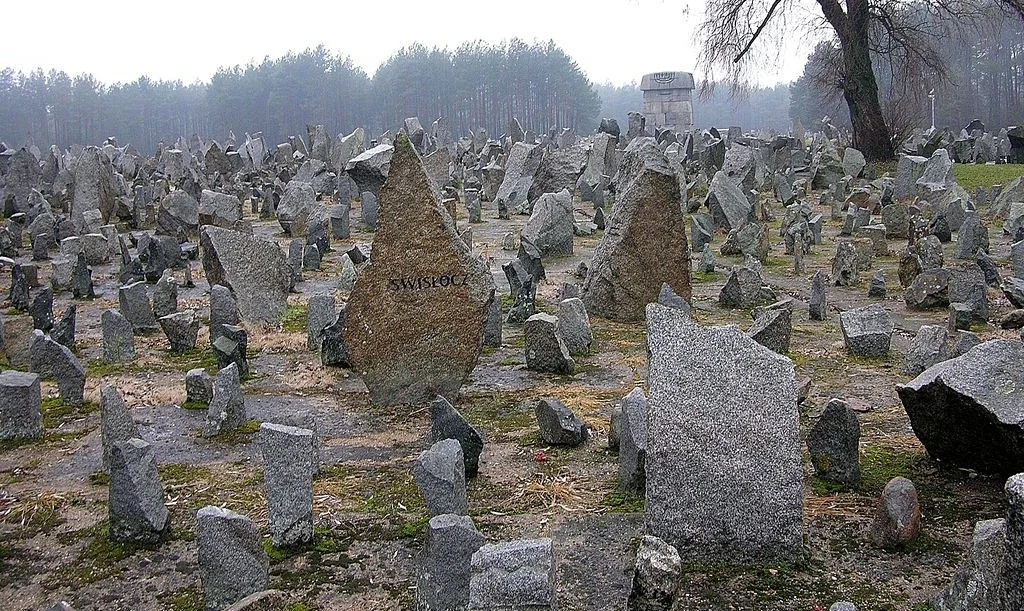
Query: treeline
x=983 y=79
x=758 y=109
x=475 y=86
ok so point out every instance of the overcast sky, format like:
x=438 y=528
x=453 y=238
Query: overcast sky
x=119 y=40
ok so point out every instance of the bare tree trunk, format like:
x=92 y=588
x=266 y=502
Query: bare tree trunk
x=860 y=89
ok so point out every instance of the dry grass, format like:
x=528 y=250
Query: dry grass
x=564 y=490
x=41 y=510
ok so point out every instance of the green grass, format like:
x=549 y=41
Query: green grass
x=242 y=434
x=623 y=502
x=195 y=405
x=971 y=176
x=295 y=318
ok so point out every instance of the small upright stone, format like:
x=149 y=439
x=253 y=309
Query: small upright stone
x=333 y=351
x=181 y=329
x=743 y=289
x=198 y=387
x=447 y=423
x=116 y=422
x=81 y=279
x=21 y=406
x=135 y=306
x=232 y=563
x=1013 y=569
x=633 y=442
x=223 y=310
x=897 y=516
x=929 y=346
x=514 y=575
x=136 y=500
x=64 y=329
x=41 y=309
x=231 y=347
x=573 y=326
x=440 y=475
x=492 y=325
x=978 y=583
x=321 y=313
x=118 y=339
x=545 y=349
x=55 y=361
x=817 y=305
x=834 y=444
x=227 y=408
x=655 y=576
x=558 y=425
x=876 y=288
x=668 y=298
x=165 y=297
x=867 y=331
x=443 y=578
x=288 y=457
x=772 y=329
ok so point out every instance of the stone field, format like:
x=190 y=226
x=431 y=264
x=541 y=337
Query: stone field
x=602 y=372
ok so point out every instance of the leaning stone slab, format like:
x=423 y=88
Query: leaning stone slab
x=440 y=475
x=724 y=476
x=573 y=326
x=255 y=270
x=21 y=401
x=545 y=349
x=136 y=307
x=136 y=500
x=232 y=563
x=288 y=456
x=447 y=423
x=969 y=411
x=514 y=575
x=834 y=444
x=415 y=317
x=446 y=569
x=55 y=361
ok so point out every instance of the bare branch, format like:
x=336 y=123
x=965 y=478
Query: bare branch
x=757 y=32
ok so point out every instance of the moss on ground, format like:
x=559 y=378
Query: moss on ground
x=295 y=318
x=243 y=434
x=623 y=502
x=186 y=599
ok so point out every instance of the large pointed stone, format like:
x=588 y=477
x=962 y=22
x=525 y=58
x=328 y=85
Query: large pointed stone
x=643 y=247
x=416 y=315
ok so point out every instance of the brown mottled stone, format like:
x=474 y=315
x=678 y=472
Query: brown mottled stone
x=411 y=334
x=643 y=247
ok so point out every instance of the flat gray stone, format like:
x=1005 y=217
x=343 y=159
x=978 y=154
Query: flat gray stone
x=724 y=481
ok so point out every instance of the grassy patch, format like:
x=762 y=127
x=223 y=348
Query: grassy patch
x=187 y=599
x=295 y=318
x=879 y=464
x=971 y=176
x=704 y=278
x=623 y=502
x=56 y=414
x=195 y=405
x=199 y=358
x=242 y=434
x=99 y=559
x=499 y=415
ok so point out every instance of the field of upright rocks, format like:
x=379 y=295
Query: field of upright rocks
x=633 y=369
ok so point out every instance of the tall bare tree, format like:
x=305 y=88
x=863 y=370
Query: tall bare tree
x=740 y=34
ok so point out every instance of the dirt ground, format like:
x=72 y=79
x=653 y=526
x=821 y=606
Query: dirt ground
x=369 y=517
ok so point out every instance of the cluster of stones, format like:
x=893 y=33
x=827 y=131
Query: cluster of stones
x=713 y=442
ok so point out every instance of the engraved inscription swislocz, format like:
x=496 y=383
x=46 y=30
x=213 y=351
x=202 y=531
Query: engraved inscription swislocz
x=427 y=282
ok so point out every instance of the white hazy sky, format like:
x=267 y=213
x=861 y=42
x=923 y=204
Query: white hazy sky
x=119 y=40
